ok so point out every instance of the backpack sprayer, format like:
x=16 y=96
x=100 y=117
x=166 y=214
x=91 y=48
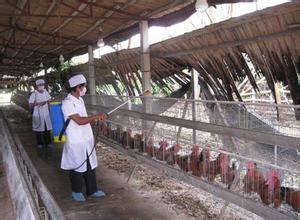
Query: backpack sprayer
x=97 y=130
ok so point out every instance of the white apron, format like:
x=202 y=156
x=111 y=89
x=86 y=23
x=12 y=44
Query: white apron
x=80 y=138
x=40 y=114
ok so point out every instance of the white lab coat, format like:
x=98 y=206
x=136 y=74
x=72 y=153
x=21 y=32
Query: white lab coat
x=80 y=138
x=40 y=114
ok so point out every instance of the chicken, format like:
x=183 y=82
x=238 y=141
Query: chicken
x=204 y=163
x=108 y=129
x=163 y=152
x=292 y=197
x=127 y=140
x=150 y=149
x=103 y=128
x=271 y=192
x=116 y=134
x=172 y=154
x=139 y=142
x=227 y=173
x=195 y=160
x=254 y=180
x=183 y=162
x=119 y=134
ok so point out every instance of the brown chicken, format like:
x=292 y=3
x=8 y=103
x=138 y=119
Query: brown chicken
x=183 y=162
x=205 y=165
x=227 y=172
x=254 y=180
x=162 y=153
x=292 y=197
x=271 y=192
x=103 y=129
x=150 y=149
x=195 y=160
x=172 y=154
x=116 y=134
x=127 y=139
x=139 y=142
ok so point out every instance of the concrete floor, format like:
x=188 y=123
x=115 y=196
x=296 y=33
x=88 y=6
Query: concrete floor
x=123 y=200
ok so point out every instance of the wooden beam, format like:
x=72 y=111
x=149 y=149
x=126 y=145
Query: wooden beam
x=119 y=11
x=25 y=49
x=4 y=15
x=53 y=35
x=74 y=8
x=96 y=25
x=61 y=25
x=41 y=23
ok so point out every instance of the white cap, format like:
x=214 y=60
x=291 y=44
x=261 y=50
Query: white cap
x=77 y=80
x=39 y=82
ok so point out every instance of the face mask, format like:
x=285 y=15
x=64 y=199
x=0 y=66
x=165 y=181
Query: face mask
x=41 y=88
x=83 y=91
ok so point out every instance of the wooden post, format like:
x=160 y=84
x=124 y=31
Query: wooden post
x=91 y=74
x=277 y=98
x=195 y=95
x=46 y=78
x=145 y=64
x=146 y=74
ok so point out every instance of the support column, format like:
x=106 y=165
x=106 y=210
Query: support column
x=195 y=96
x=46 y=79
x=145 y=64
x=146 y=77
x=91 y=75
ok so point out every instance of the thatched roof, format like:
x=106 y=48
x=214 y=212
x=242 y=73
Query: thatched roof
x=37 y=31
x=269 y=39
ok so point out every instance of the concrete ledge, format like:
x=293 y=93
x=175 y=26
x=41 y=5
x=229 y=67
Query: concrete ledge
x=14 y=145
x=22 y=199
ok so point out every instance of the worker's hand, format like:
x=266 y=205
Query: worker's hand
x=102 y=117
x=39 y=103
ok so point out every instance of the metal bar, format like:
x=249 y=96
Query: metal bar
x=213 y=101
x=227 y=195
x=259 y=137
x=116 y=108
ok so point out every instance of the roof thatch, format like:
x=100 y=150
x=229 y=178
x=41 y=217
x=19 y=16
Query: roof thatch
x=39 y=31
x=223 y=53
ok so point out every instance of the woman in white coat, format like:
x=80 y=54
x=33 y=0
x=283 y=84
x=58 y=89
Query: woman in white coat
x=41 y=122
x=79 y=155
